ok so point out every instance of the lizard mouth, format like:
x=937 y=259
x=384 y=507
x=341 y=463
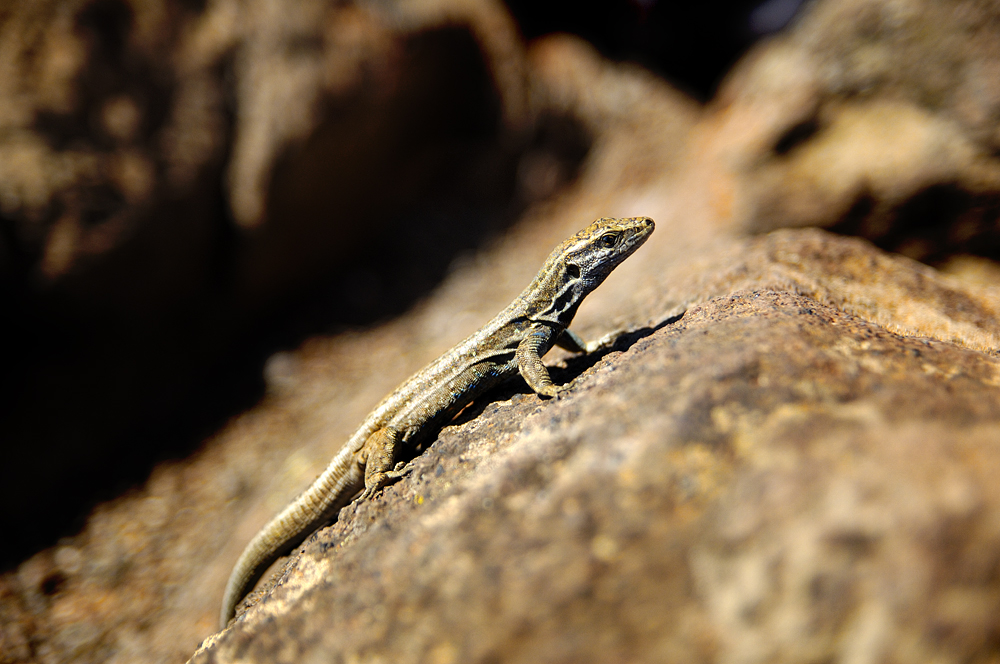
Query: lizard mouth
x=641 y=230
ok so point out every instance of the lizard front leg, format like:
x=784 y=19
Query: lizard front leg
x=529 y=363
x=377 y=457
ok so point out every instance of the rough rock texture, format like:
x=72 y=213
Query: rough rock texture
x=800 y=468
x=766 y=478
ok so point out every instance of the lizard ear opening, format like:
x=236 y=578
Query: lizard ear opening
x=573 y=270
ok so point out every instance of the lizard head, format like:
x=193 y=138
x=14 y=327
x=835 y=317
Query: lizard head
x=592 y=254
x=581 y=263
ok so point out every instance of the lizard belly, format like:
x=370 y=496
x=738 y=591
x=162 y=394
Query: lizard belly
x=423 y=414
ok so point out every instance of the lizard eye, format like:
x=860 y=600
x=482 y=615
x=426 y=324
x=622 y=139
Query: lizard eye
x=609 y=240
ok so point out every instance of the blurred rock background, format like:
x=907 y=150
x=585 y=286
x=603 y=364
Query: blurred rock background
x=187 y=187
x=228 y=228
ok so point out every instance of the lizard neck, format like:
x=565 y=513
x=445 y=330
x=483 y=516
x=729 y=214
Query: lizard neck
x=555 y=295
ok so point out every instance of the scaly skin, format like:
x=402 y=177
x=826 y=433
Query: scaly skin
x=513 y=342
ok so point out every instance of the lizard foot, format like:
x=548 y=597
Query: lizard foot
x=551 y=391
x=379 y=480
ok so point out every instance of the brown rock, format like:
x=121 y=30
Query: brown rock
x=113 y=108
x=768 y=478
x=877 y=118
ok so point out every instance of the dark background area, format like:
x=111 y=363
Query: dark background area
x=691 y=44
x=58 y=472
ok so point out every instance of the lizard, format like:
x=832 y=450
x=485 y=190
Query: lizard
x=513 y=342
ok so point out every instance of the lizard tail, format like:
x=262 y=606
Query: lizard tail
x=315 y=506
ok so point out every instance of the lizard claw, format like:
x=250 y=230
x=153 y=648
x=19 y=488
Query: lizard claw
x=373 y=486
x=553 y=391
